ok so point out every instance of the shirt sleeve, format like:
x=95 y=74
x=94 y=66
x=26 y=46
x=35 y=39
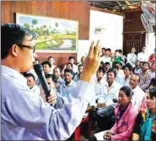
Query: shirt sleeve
x=42 y=120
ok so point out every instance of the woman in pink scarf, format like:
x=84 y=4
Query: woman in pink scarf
x=125 y=115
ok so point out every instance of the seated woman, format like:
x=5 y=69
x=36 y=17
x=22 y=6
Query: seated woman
x=125 y=115
x=145 y=126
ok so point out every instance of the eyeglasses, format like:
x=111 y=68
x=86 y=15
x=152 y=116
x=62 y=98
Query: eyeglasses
x=30 y=47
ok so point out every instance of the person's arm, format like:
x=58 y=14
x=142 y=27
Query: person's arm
x=42 y=120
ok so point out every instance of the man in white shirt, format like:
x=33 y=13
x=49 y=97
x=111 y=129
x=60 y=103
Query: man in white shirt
x=68 y=83
x=127 y=72
x=29 y=116
x=32 y=84
x=132 y=57
x=139 y=94
x=72 y=61
x=51 y=61
x=57 y=78
x=111 y=90
x=142 y=56
x=106 y=57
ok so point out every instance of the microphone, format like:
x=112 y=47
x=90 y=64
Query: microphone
x=115 y=100
x=39 y=71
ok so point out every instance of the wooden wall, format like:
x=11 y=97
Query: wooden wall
x=134 y=32
x=79 y=11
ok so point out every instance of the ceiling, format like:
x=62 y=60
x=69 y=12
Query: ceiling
x=118 y=6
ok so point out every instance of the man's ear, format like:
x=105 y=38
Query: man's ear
x=15 y=50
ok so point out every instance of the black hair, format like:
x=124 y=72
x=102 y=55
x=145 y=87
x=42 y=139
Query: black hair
x=69 y=71
x=113 y=71
x=152 y=92
x=71 y=57
x=101 y=69
x=103 y=48
x=49 y=76
x=29 y=75
x=108 y=49
x=12 y=34
x=117 y=50
x=50 y=57
x=129 y=66
x=120 y=51
x=80 y=65
x=58 y=68
x=143 y=63
x=70 y=64
x=153 y=82
x=107 y=63
x=127 y=90
x=46 y=63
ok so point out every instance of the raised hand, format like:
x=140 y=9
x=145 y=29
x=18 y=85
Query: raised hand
x=92 y=62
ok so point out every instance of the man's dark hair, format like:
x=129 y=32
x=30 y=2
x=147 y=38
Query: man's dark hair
x=143 y=63
x=49 y=76
x=29 y=75
x=101 y=69
x=12 y=34
x=129 y=66
x=71 y=57
x=70 y=64
x=69 y=71
x=46 y=63
x=108 y=49
x=58 y=68
x=120 y=51
x=107 y=63
x=50 y=57
x=103 y=48
x=80 y=65
x=113 y=71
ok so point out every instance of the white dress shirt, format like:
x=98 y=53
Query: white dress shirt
x=143 y=57
x=110 y=92
x=131 y=58
x=24 y=117
x=35 y=90
x=137 y=97
x=105 y=59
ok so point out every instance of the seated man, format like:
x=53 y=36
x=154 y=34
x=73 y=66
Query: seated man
x=68 y=84
x=32 y=84
x=59 y=101
x=139 y=94
x=57 y=78
x=46 y=67
x=145 y=76
x=125 y=114
x=127 y=72
x=104 y=113
x=80 y=70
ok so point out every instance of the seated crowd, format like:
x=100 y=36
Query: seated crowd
x=124 y=105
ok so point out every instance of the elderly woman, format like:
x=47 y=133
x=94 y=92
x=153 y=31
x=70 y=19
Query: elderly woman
x=125 y=114
x=145 y=126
